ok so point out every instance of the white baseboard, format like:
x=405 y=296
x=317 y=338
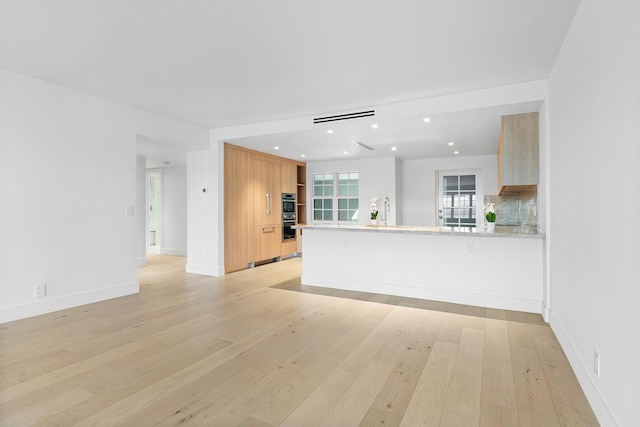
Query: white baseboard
x=142 y=261
x=205 y=270
x=175 y=252
x=480 y=300
x=583 y=373
x=50 y=304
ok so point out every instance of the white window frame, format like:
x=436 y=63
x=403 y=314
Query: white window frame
x=335 y=197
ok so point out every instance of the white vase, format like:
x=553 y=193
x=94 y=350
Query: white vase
x=374 y=221
x=491 y=227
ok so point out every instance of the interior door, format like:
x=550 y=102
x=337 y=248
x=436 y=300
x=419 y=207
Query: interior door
x=458 y=195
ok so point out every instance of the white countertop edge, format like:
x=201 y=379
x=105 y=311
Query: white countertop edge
x=406 y=229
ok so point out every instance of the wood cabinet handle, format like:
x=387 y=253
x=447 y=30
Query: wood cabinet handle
x=267 y=203
x=268 y=229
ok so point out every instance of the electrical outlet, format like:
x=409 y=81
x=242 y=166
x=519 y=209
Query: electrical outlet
x=470 y=248
x=596 y=363
x=346 y=242
x=39 y=290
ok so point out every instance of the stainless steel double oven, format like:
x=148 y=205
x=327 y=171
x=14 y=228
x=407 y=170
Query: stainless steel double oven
x=288 y=216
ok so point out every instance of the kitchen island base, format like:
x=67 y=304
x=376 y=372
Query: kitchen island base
x=486 y=270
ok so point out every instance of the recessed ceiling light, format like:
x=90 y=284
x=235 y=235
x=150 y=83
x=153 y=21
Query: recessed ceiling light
x=394 y=148
x=329 y=131
x=426 y=120
x=345 y=152
x=276 y=148
x=450 y=143
x=374 y=126
x=456 y=152
x=303 y=155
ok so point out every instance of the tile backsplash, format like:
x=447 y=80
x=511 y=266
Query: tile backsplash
x=515 y=210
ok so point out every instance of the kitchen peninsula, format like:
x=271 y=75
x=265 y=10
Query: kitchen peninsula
x=497 y=270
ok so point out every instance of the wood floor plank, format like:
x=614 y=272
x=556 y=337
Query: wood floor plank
x=462 y=402
x=427 y=402
x=257 y=348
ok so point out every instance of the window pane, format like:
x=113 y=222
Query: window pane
x=328 y=203
x=318 y=190
x=343 y=216
x=467 y=182
x=328 y=215
x=317 y=215
x=450 y=183
x=328 y=191
x=317 y=204
x=353 y=203
x=343 y=203
x=343 y=190
x=353 y=189
x=328 y=179
x=353 y=176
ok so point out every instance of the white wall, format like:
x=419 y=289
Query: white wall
x=420 y=186
x=594 y=92
x=141 y=211
x=377 y=178
x=67 y=175
x=174 y=211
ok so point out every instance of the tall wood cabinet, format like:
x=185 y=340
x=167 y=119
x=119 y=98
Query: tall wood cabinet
x=253 y=187
x=518 y=154
x=267 y=208
x=238 y=209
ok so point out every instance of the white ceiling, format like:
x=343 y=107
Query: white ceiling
x=225 y=63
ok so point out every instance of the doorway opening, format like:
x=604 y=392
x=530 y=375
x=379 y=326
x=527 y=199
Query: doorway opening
x=458 y=194
x=154 y=211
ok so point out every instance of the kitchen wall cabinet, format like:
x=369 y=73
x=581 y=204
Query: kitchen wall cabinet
x=253 y=187
x=267 y=208
x=238 y=210
x=518 y=158
x=288 y=177
x=267 y=197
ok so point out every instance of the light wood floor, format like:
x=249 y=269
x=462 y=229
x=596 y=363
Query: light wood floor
x=254 y=348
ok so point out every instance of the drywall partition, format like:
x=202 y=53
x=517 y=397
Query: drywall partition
x=141 y=212
x=68 y=194
x=174 y=210
x=594 y=106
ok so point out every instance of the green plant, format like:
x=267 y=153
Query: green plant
x=374 y=208
x=490 y=212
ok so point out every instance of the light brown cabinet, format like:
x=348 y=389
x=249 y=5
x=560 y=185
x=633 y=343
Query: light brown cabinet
x=288 y=181
x=253 y=187
x=518 y=158
x=267 y=208
x=238 y=209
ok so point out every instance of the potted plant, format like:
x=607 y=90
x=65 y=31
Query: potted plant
x=374 y=211
x=490 y=216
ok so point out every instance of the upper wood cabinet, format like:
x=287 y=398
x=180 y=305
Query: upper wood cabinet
x=518 y=158
x=267 y=197
x=288 y=177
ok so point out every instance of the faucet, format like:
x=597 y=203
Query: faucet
x=385 y=210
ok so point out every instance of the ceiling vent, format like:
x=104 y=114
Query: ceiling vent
x=347 y=116
x=363 y=145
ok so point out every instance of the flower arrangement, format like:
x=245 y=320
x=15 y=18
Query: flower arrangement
x=490 y=212
x=374 y=208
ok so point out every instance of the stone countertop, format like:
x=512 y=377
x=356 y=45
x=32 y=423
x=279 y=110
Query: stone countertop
x=501 y=231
